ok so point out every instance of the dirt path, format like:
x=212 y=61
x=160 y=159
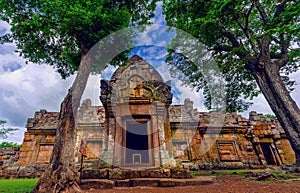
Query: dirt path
x=224 y=184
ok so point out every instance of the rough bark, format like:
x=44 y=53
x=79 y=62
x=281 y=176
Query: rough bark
x=285 y=108
x=61 y=175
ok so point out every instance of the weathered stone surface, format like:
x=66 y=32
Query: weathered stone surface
x=33 y=171
x=94 y=174
x=177 y=131
x=265 y=175
x=117 y=174
x=96 y=184
x=89 y=174
x=167 y=183
x=180 y=183
x=180 y=173
x=133 y=174
x=292 y=168
x=123 y=183
x=156 y=173
x=9 y=156
x=230 y=147
x=145 y=182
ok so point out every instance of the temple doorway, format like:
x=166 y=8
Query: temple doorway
x=268 y=153
x=138 y=141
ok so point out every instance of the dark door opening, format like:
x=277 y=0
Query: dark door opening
x=137 y=144
x=268 y=153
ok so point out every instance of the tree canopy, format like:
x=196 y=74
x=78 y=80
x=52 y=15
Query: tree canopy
x=61 y=33
x=58 y=32
x=9 y=144
x=4 y=131
x=256 y=45
x=237 y=31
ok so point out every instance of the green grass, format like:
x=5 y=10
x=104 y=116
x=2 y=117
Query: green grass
x=280 y=175
x=17 y=185
x=290 y=180
x=224 y=172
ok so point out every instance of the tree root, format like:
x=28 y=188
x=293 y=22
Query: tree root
x=61 y=180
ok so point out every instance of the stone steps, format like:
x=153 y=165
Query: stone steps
x=122 y=174
x=87 y=184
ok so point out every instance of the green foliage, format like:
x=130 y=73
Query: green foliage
x=270 y=116
x=59 y=32
x=237 y=33
x=5 y=130
x=9 y=144
x=17 y=185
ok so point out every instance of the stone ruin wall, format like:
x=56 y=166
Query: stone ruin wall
x=39 y=138
x=238 y=145
x=9 y=156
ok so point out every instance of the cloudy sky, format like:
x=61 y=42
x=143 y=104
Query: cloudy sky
x=26 y=88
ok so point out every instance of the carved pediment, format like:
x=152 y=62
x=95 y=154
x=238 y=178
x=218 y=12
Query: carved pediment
x=137 y=80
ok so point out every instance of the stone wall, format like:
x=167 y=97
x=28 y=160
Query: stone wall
x=39 y=138
x=241 y=142
x=9 y=156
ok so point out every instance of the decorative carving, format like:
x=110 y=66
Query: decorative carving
x=87 y=112
x=250 y=132
x=157 y=91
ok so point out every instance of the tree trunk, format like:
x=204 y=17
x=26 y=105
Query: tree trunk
x=280 y=101
x=61 y=175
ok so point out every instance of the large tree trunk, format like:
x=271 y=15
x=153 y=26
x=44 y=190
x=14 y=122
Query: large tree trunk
x=61 y=175
x=280 y=101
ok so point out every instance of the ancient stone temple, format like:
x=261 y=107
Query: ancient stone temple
x=136 y=102
x=138 y=127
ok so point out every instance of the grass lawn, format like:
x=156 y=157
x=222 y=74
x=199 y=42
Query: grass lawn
x=281 y=176
x=17 y=185
x=225 y=172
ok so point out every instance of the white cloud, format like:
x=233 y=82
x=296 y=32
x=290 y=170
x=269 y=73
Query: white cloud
x=155 y=34
x=260 y=104
x=187 y=92
x=8 y=59
x=92 y=90
x=4 y=27
x=159 y=17
x=296 y=93
x=16 y=137
x=28 y=89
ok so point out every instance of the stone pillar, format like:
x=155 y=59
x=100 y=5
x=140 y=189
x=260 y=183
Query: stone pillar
x=166 y=159
x=108 y=154
x=156 y=142
x=118 y=143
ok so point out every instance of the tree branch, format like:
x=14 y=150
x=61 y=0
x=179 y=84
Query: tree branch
x=279 y=8
x=221 y=48
x=245 y=28
x=262 y=12
x=247 y=15
x=284 y=44
x=235 y=43
x=283 y=61
x=229 y=35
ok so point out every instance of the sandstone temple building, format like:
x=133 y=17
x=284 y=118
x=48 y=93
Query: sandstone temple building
x=138 y=126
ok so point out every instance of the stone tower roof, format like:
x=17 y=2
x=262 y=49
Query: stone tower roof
x=137 y=65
